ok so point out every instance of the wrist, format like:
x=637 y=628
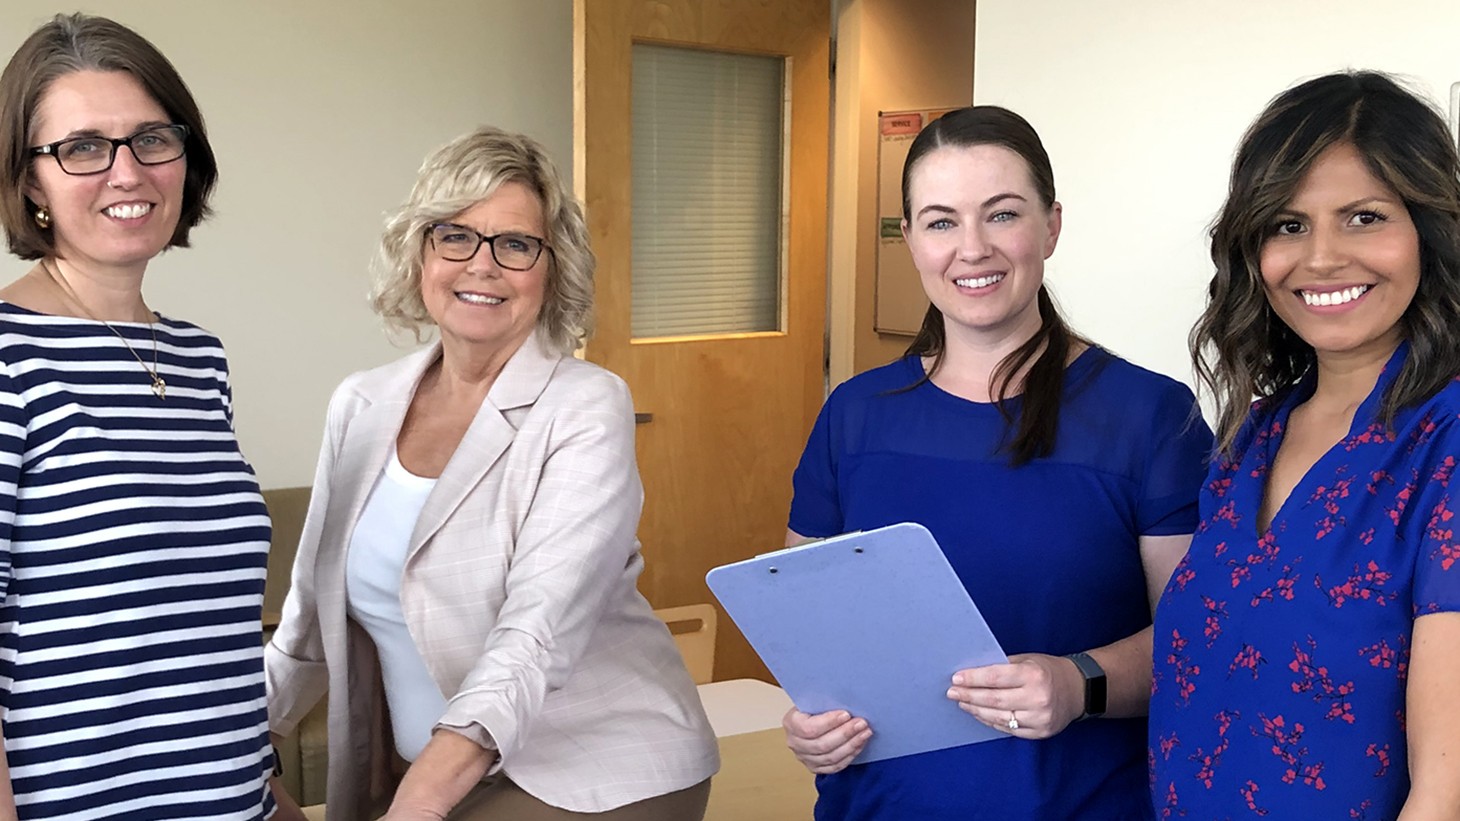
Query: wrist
x=420 y=797
x=404 y=805
x=1094 y=690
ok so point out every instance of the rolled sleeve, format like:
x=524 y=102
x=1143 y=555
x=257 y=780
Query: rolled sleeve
x=572 y=552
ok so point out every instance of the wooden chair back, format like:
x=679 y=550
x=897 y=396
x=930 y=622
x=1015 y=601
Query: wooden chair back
x=693 y=628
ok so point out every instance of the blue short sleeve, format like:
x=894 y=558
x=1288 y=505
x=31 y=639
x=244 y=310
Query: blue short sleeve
x=1181 y=446
x=1437 y=567
x=816 y=506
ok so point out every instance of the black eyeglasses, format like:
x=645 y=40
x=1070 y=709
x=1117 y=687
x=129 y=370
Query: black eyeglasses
x=458 y=243
x=80 y=156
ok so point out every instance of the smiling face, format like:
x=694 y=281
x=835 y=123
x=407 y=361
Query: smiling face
x=477 y=302
x=979 y=235
x=119 y=219
x=1342 y=263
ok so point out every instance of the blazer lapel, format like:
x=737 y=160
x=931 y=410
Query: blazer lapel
x=520 y=383
x=367 y=445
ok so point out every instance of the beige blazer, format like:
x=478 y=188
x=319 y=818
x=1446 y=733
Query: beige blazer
x=518 y=588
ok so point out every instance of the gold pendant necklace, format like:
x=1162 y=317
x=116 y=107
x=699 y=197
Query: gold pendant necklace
x=159 y=387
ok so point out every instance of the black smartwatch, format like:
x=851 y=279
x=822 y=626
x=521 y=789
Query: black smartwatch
x=1094 y=685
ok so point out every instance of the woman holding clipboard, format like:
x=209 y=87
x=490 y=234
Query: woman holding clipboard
x=1060 y=480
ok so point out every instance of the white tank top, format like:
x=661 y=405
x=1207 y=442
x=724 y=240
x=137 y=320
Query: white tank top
x=373 y=569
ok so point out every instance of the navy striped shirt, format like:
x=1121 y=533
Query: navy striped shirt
x=133 y=544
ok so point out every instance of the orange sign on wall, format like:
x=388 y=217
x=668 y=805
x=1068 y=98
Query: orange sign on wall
x=893 y=124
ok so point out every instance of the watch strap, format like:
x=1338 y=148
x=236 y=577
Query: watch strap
x=1095 y=685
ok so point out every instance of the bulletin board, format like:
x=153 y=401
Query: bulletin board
x=900 y=302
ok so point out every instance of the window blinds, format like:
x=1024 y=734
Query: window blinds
x=707 y=191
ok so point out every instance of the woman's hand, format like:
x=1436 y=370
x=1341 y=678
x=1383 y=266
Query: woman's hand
x=288 y=808
x=7 y=793
x=412 y=814
x=445 y=771
x=826 y=742
x=1042 y=693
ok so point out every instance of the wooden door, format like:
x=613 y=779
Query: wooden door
x=725 y=416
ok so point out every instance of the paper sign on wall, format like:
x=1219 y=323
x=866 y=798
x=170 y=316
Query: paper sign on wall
x=900 y=301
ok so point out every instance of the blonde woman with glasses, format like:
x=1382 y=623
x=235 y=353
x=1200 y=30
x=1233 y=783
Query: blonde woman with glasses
x=469 y=549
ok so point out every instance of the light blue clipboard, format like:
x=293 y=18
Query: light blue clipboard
x=874 y=623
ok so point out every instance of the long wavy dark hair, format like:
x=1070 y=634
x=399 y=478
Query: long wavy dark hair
x=1035 y=427
x=1241 y=349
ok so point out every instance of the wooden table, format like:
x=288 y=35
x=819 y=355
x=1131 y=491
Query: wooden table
x=743 y=705
x=760 y=780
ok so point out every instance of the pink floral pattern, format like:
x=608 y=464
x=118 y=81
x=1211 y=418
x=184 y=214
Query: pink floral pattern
x=1282 y=653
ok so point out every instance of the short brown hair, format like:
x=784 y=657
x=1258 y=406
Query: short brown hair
x=81 y=42
x=459 y=175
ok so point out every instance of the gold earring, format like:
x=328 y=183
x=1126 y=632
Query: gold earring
x=43 y=217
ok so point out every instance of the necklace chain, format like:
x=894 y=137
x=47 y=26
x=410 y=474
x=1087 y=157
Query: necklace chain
x=159 y=387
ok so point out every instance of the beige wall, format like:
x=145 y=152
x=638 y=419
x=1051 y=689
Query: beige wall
x=320 y=113
x=1141 y=111
x=891 y=55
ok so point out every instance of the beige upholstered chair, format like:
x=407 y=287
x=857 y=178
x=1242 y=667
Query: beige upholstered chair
x=304 y=754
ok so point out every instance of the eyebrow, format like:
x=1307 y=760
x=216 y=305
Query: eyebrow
x=944 y=209
x=1347 y=208
x=96 y=132
x=519 y=232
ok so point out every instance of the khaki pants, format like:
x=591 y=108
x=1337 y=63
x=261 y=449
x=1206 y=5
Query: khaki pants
x=500 y=799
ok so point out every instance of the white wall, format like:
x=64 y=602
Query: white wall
x=1141 y=104
x=320 y=112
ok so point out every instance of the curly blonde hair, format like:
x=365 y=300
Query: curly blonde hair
x=459 y=175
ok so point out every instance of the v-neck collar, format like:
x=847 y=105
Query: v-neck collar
x=1366 y=426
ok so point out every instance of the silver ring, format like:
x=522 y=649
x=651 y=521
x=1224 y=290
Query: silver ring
x=1012 y=723
x=111 y=185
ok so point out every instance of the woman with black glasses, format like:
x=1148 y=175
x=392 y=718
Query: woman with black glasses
x=469 y=549
x=132 y=534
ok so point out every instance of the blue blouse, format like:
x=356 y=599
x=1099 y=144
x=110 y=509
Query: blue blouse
x=1280 y=656
x=1049 y=551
